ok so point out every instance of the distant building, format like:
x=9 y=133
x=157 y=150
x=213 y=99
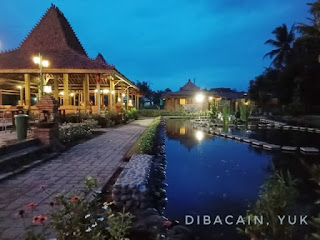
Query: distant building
x=191 y=98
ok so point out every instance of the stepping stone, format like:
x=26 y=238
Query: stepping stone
x=295 y=128
x=238 y=138
x=286 y=127
x=289 y=148
x=216 y=132
x=317 y=130
x=271 y=147
x=302 y=128
x=230 y=136
x=277 y=126
x=248 y=140
x=223 y=134
x=311 y=129
x=309 y=150
x=257 y=143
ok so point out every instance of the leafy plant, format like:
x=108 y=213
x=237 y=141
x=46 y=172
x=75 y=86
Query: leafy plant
x=276 y=199
x=213 y=111
x=119 y=224
x=147 y=139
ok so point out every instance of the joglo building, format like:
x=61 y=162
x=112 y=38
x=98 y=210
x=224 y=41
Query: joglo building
x=191 y=98
x=51 y=60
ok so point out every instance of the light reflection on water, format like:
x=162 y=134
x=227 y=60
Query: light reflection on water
x=213 y=175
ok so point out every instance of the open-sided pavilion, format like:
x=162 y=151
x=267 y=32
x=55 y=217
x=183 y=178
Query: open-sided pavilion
x=80 y=83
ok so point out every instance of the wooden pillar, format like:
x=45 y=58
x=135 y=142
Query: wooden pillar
x=113 y=95
x=109 y=96
x=66 y=97
x=128 y=97
x=27 y=93
x=98 y=100
x=86 y=92
x=138 y=104
x=0 y=97
x=56 y=87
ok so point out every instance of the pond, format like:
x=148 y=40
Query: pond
x=209 y=175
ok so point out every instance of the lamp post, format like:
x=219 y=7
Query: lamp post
x=42 y=63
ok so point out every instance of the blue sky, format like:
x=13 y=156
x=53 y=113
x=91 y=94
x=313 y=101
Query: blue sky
x=219 y=43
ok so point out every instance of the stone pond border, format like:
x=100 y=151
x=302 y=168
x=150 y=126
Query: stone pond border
x=140 y=188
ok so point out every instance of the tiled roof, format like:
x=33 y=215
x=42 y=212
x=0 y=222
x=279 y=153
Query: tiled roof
x=55 y=39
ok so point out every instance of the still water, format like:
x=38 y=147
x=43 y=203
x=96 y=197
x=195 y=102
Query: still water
x=209 y=175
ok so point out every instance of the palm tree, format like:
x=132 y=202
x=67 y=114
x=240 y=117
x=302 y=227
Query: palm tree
x=312 y=30
x=283 y=44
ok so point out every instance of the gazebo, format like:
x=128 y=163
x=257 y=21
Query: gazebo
x=51 y=60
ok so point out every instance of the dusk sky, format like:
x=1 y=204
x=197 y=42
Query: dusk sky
x=219 y=43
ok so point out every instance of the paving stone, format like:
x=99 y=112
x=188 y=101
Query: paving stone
x=100 y=156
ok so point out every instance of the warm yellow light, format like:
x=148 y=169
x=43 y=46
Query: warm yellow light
x=71 y=94
x=61 y=93
x=199 y=97
x=210 y=98
x=130 y=101
x=199 y=135
x=123 y=95
x=47 y=89
x=36 y=60
x=119 y=99
x=45 y=63
x=113 y=92
x=19 y=87
x=96 y=90
x=106 y=91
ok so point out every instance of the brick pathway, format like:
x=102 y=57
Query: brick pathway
x=98 y=157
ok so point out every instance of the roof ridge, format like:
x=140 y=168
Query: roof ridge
x=62 y=15
x=53 y=30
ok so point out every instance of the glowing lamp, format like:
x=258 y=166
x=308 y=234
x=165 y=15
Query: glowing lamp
x=106 y=91
x=199 y=97
x=36 y=60
x=119 y=99
x=123 y=95
x=45 y=63
x=61 y=93
x=47 y=89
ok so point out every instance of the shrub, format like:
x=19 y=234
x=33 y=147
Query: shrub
x=276 y=199
x=80 y=216
x=73 y=132
x=157 y=113
x=148 y=137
